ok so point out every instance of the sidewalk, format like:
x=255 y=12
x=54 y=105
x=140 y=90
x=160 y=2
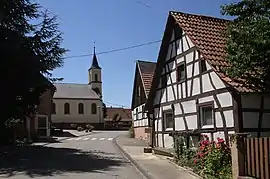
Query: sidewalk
x=153 y=167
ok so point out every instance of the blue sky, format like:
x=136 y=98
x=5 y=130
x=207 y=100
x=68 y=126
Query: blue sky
x=116 y=24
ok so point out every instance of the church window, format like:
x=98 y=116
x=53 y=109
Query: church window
x=80 y=108
x=53 y=108
x=94 y=108
x=66 y=108
x=96 y=77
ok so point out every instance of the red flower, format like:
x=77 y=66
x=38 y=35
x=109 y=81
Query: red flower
x=195 y=161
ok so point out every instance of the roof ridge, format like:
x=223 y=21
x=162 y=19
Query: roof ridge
x=199 y=15
x=71 y=83
x=146 y=61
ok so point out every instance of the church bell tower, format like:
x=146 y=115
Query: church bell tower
x=94 y=73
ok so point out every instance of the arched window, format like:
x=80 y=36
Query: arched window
x=53 y=108
x=96 y=77
x=66 y=108
x=80 y=108
x=94 y=108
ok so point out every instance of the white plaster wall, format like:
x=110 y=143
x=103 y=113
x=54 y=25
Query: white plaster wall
x=196 y=86
x=228 y=116
x=217 y=81
x=74 y=116
x=192 y=122
x=189 y=106
x=206 y=85
x=168 y=141
x=179 y=123
x=142 y=120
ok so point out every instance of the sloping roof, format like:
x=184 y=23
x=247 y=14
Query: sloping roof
x=95 y=61
x=147 y=70
x=208 y=35
x=71 y=90
x=124 y=113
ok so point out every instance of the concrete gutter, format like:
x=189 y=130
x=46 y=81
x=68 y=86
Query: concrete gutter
x=138 y=166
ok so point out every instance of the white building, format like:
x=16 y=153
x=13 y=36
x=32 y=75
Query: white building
x=144 y=72
x=79 y=103
x=191 y=94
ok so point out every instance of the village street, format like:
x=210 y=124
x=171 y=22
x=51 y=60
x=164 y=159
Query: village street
x=88 y=156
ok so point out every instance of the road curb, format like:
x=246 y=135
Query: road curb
x=134 y=162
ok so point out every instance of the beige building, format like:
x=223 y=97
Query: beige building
x=79 y=103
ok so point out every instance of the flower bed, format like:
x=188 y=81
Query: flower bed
x=211 y=159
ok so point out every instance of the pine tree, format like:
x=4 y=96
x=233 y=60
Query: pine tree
x=248 y=44
x=30 y=49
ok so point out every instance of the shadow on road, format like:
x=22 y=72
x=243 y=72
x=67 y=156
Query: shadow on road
x=37 y=161
x=59 y=133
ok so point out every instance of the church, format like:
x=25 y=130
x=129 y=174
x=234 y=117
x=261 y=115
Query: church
x=79 y=104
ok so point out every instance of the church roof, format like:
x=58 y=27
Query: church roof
x=95 y=61
x=74 y=91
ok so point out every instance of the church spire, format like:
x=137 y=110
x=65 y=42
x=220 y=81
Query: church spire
x=95 y=61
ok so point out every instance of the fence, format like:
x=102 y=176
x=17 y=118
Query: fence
x=257 y=157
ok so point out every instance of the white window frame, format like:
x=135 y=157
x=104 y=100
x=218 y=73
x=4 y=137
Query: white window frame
x=165 y=120
x=202 y=120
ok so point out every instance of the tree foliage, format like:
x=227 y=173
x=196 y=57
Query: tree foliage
x=104 y=110
x=30 y=49
x=248 y=44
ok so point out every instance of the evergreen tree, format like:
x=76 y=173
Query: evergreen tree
x=30 y=48
x=248 y=44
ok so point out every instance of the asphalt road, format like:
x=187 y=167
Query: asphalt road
x=88 y=157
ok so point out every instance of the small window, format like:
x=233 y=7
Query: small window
x=94 y=108
x=66 y=108
x=143 y=111
x=168 y=119
x=81 y=108
x=203 y=66
x=137 y=114
x=181 y=72
x=206 y=115
x=96 y=77
x=163 y=81
x=53 y=108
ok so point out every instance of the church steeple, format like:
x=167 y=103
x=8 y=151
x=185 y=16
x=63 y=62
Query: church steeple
x=95 y=61
x=94 y=73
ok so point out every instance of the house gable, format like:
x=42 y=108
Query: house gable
x=139 y=95
x=142 y=82
x=184 y=83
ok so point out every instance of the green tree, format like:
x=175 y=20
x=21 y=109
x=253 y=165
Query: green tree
x=30 y=48
x=104 y=110
x=248 y=44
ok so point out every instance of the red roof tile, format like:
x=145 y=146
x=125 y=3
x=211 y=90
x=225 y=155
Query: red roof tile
x=207 y=34
x=124 y=113
x=147 y=70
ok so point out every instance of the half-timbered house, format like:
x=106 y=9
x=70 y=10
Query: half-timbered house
x=142 y=83
x=190 y=92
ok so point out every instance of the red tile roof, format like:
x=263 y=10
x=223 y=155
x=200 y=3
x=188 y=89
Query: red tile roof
x=147 y=70
x=124 y=113
x=207 y=34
